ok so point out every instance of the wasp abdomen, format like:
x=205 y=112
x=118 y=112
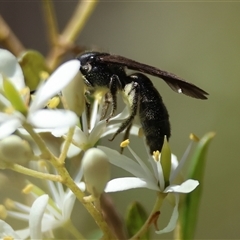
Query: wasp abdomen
x=153 y=114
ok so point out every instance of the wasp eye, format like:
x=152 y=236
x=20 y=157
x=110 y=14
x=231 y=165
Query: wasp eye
x=86 y=68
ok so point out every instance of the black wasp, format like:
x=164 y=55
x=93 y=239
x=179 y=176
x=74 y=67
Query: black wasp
x=106 y=74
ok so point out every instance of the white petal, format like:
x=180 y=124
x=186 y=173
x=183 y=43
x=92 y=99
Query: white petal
x=9 y=127
x=11 y=69
x=173 y=220
x=49 y=223
x=160 y=176
x=94 y=115
x=97 y=132
x=59 y=132
x=126 y=183
x=148 y=173
x=73 y=94
x=79 y=137
x=124 y=162
x=4 y=103
x=53 y=191
x=121 y=116
x=82 y=186
x=186 y=187
x=72 y=151
x=56 y=82
x=112 y=128
x=4 y=117
x=23 y=233
x=36 y=215
x=6 y=230
x=68 y=203
x=181 y=163
x=52 y=118
x=174 y=164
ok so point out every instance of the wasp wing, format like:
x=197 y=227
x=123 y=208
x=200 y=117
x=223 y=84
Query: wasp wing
x=176 y=83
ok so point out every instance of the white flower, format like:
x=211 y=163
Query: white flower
x=48 y=212
x=35 y=115
x=10 y=69
x=151 y=179
x=7 y=231
x=33 y=215
x=86 y=138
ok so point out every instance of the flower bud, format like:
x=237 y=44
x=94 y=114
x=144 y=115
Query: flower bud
x=74 y=96
x=14 y=149
x=96 y=171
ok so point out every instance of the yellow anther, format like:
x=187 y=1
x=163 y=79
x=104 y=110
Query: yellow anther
x=8 y=238
x=28 y=189
x=44 y=75
x=3 y=212
x=193 y=137
x=9 y=204
x=53 y=103
x=156 y=155
x=125 y=143
x=9 y=110
x=25 y=93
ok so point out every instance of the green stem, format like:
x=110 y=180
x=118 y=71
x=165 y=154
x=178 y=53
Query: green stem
x=67 y=143
x=74 y=27
x=156 y=207
x=18 y=168
x=68 y=181
x=51 y=21
x=78 y=20
x=97 y=216
x=46 y=154
x=9 y=39
x=177 y=234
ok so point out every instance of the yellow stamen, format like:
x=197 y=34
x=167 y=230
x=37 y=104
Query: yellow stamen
x=125 y=143
x=9 y=204
x=9 y=110
x=156 y=155
x=193 y=137
x=44 y=75
x=53 y=103
x=25 y=93
x=28 y=189
x=8 y=238
x=3 y=212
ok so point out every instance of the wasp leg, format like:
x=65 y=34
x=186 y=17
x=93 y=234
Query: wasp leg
x=88 y=107
x=126 y=136
x=134 y=107
x=107 y=102
x=114 y=86
x=88 y=113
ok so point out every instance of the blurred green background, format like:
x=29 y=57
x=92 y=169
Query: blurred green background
x=199 y=41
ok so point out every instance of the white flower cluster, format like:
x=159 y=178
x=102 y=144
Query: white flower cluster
x=52 y=209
